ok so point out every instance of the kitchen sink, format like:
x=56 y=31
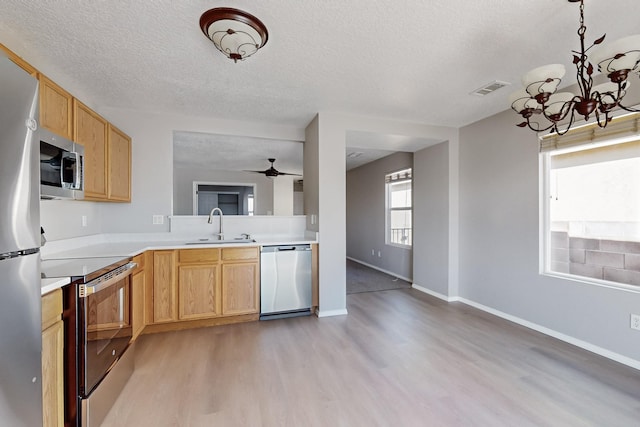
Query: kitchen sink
x=219 y=242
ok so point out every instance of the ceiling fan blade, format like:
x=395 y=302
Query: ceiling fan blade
x=286 y=173
x=244 y=170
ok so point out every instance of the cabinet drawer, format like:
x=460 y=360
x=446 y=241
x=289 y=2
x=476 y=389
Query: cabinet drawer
x=51 y=308
x=232 y=254
x=198 y=255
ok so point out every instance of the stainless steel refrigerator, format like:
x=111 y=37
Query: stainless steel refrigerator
x=20 y=305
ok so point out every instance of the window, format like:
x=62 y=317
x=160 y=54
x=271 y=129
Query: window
x=398 y=207
x=592 y=211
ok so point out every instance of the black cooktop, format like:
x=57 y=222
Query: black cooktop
x=80 y=268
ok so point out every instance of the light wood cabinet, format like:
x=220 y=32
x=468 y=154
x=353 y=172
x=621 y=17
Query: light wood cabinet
x=52 y=360
x=56 y=108
x=203 y=287
x=119 y=165
x=138 y=296
x=240 y=293
x=164 y=287
x=198 y=284
x=19 y=61
x=90 y=130
x=199 y=291
x=240 y=281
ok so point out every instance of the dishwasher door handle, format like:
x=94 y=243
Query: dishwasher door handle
x=281 y=249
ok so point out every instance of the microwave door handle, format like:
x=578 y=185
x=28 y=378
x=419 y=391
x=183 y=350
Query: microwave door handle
x=77 y=182
x=103 y=282
x=74 y=158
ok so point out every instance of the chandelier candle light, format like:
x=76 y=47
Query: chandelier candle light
x=539 y=97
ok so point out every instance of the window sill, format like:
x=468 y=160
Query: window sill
x=592 y=282
x=397 y=245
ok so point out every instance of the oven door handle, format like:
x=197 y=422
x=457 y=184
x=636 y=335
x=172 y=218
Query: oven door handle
x=106 y=280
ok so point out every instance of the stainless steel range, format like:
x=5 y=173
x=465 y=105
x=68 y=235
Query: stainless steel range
x=97 y=321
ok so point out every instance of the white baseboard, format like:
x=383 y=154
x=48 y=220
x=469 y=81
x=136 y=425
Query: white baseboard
x=550 y=332
x=390 y=273
x=555 y=334
x=330 y=313
x=434 y=294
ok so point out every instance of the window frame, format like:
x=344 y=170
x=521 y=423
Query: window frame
x=545 y=214
x=388 y=209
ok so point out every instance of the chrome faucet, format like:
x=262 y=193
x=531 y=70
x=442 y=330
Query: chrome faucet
x=210 y=221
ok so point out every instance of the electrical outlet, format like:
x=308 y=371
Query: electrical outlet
x=158 y=219
x=379 y=254
x=84 y=220
x=635 y=321
x=373 y=252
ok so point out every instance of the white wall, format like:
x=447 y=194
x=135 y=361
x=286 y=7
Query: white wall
x=499 y=244
x=366 y=212
x=152 y=184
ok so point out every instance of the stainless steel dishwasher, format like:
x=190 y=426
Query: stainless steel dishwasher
x=285 y=281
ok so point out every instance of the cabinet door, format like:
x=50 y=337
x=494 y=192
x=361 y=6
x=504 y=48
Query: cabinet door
x=90 y=130
x=119 y=161
x=198 y=292
x=240 y=289
x=52 y=376
x=137 y=303
x=56 y=108
x=164 y=287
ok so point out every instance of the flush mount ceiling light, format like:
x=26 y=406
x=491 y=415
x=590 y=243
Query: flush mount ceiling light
x=539 y=98
x=235 y=33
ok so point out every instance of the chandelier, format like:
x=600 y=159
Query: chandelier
x=539 y=98
x=235 y=33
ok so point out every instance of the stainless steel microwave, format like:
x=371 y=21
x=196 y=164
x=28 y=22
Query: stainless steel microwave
x=61 y=167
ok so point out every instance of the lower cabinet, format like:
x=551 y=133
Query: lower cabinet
x=198 y=284
x=138 y=295
x=206 y=283
x=52 y=360
x=240 y=295
x=164 y=287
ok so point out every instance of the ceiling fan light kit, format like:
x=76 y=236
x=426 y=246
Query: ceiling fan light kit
x=539 y=99
x=235 y=33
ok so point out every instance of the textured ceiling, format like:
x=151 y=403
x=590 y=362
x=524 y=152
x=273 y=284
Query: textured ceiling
x=413 y=60
x=235 y=153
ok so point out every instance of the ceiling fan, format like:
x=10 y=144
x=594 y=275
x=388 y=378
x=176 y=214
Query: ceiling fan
x=273 y=172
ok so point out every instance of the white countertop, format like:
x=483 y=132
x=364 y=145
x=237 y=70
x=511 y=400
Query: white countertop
x=132 y=248
x=106 y=245
x=49 y=285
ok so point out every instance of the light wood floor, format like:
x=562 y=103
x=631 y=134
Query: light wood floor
x=400 y=358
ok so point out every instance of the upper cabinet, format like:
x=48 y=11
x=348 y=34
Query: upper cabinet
x=91 y=130
x=107 y=150
x=56 y=108
x=119 y=165
x=19 y=61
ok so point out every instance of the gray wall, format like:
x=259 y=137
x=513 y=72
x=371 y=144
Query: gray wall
x=183 y=179
x=431 y=218
x=499 y=256
x=366 y=216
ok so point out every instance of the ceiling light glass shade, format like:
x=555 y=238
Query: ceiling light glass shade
x=609 y=93
x=622 y=54
x=235 y=33
x=521 y=100
x=543 y=79
x=558 y=103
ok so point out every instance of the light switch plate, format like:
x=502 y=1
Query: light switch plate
x=158 y=219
